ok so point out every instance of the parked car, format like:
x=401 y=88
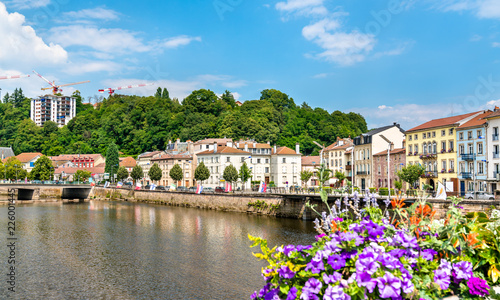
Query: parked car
x=480 y=196
x=208 y=190
x=220 y=189
x=161 y=188
x=147 y=187
x=192 y=189
x=181 y=189
x=128 y=184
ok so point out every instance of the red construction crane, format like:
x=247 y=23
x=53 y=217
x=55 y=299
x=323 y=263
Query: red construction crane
x=111 y=91
x=13 y=76
x=57 y=88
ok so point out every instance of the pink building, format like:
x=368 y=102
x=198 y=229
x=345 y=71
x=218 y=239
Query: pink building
x=397 y=162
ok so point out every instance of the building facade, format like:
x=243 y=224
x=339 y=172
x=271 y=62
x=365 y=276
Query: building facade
x=311 y=163
x=397 y=160
x=260 y=162
x=167 y=161
x=286 y=166
x=433 y=145
x=336 y=157
x=58 y=109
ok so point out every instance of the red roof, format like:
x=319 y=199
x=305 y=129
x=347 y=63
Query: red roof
x=172 y=156
x=225 y=150
x=393 y=151
x=127 y=162
x=477 y=121
x=285 y=151
x=27 y=157
x=310 y=160
x=443 y=122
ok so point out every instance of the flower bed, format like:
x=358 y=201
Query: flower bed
x=398 y=253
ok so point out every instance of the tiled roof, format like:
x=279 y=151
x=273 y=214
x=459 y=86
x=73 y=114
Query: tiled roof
x=442 y=122
x=476 y=121
x=380 y=129
x=149 y=154
x=335 y=146
x=224 y=150
x=6 y=152
x=127 y=162
x=310 y=160
x=496 y=113
x=27 y=157
x=211 y=141
x=250 y=145
x=285 y=151
x=70 y=157
x=172 y=156
x=393 y=151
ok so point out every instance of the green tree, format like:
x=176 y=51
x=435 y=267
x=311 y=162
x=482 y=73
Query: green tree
x=165 y=94
x=176 y=173
x=137 y=173
x=340 y=176
x=2 y=171
x=158 y=93
x=81 y=175
x=112 y=159
x=201 y=173
x=245 y=173
x=15 y=169
x=305 y=176
x=411 y=174
x=324 y=174
x=43 y=170
x=230 y=174
x=155 y=172
x=122 y=173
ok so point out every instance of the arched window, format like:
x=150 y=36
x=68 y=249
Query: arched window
x=432 y=148
x=424 y=148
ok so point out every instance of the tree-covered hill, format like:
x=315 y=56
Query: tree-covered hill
x=138 y=124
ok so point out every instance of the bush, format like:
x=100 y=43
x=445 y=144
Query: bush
x=372 y=190
x=385 y=191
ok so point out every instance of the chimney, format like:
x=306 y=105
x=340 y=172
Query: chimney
x=229 y=143
x=275 y=149
x=246 y=147
x=238 y=145
x=297 y=148
x=254 y=145
x=215 y=147
x=268 y=142
x=392 y=146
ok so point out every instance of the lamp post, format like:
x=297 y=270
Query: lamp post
x=321 y=152
x=388 y=165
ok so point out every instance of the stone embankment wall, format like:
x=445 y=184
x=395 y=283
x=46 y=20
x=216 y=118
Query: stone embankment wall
x=44 y=193
x=274 y=205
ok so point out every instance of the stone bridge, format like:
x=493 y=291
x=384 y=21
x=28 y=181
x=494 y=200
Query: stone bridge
x=45 y=191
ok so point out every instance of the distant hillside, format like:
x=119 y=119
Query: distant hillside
x=138 y=124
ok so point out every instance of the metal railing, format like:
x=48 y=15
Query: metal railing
x=469 y=156
x=466 y=175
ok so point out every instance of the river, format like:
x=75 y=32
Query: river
x=121 y=250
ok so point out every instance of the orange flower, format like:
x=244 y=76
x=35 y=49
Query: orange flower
x=472 y=239
x=334 y=226
x=397 y=202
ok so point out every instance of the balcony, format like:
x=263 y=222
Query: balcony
x=468 y=156
x=466 y=175
x=362 y=173
x=495 y=137
x=430 y=174
x=428 y=156
x=348 y=167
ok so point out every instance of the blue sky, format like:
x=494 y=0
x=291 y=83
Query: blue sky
x=404 y=61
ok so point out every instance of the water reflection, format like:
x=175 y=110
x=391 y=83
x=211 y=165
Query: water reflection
x=110 y=250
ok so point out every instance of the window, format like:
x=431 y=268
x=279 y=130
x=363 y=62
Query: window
x=450 y=148
x=267 y=169
x=283 y=169
x=451 y=131
x=479 y=134
x=206 y=147
x=258 y=160
x=416 y=149
x=228 y=159
x=443 y=132
x=336 y=163
x=423 y=135
x=480 y=168
x=410 y=149
x=416 y=137
x=434 y=147
x=469 y=135
x=433 y=134
x=212 y=159
x=424 y=148
x=461 y=149
x=443 y=165
x=284 y=160
x=267 y=160
x=461 y=136
x=340 y=162
x=471 y=148
x=443 y=146
x=480 y=148
x=379 y=169
x=409 y=137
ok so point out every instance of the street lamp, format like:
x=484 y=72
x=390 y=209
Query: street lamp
x=321 y=152
x=388 y=166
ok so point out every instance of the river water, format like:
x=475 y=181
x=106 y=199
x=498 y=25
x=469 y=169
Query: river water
x=116 y=250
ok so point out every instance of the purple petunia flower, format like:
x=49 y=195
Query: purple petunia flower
x=365 y=279
x=254 y=295
x=332 y=278
x=389 y=286
x=315 y=266
x=335 y=293
x=442 y=278
x=302 y=248
x=320 y=236
x=292 y=294
x=349 y=254
x=288 y=249
x=478 y=287
x=462 y=270
x=311 y=288
x=272 y=295
x=285 y=272
x=367 y=262
x=336 y=261
x=428 y=254
x=389 y=261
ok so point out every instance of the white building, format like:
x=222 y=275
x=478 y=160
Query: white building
x=336 y=157
x=493 y=150
x=260 y=163
x=59 y=109
x=286 y=165
x=217 y=159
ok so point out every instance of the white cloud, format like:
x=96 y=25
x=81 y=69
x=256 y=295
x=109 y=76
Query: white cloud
x=303 y=7
x=112 y=40
x=236 y=95
x=98 y=13
x=181 y=40
x=321 y=75
x=487 y=9
x=339 y=47
x=27 y=4
x=400 y=49
x=476 y=38
x=21 y=47
x=495 y=45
